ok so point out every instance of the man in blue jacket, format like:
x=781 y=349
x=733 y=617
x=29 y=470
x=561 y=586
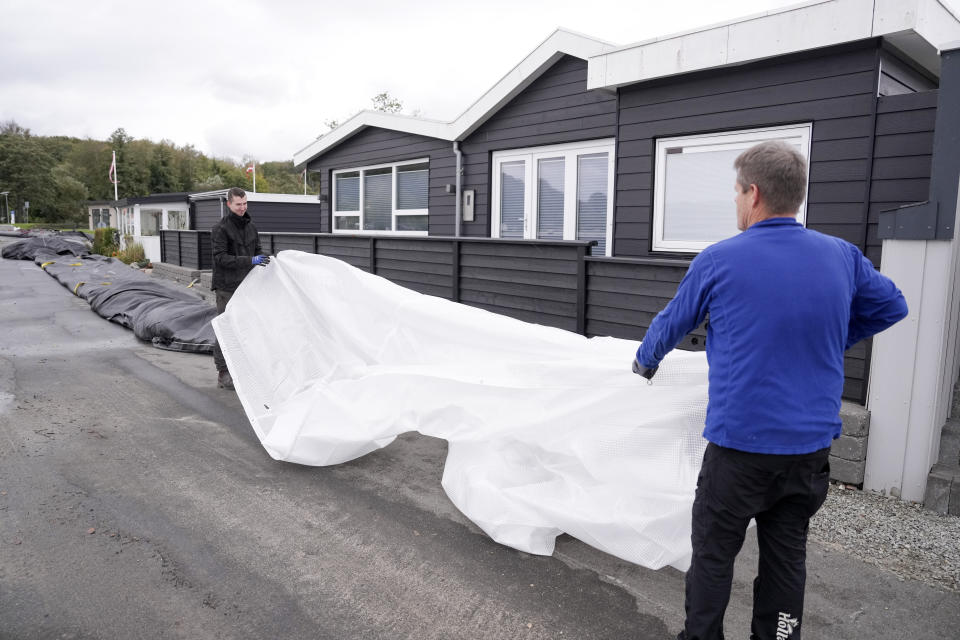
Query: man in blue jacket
x=784 y=303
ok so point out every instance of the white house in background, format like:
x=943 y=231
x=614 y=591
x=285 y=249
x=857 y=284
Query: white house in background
x=101 y=213
x=143 y=218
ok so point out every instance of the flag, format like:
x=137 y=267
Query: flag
x=112 y=174
x=250 y=168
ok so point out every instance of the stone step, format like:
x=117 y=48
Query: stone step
x=950 y=444
x=943 y=490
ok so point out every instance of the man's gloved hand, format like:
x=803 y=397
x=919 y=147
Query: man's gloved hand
x=260 y=260
x=641 y=370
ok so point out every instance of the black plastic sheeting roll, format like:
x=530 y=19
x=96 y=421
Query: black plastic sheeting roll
x=56 y=244
x=170 y=318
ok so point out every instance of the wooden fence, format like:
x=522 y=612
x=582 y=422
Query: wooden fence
x=554 y=283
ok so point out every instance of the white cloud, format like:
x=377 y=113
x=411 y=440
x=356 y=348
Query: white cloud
x=259 y=78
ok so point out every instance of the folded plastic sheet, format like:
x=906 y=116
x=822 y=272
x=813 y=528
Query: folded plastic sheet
x=548 y=431
x=168 y=317
x=29 y=248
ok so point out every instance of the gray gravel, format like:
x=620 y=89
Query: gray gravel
x=894 y=535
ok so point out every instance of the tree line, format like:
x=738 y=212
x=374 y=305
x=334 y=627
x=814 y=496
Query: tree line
x=58 y=174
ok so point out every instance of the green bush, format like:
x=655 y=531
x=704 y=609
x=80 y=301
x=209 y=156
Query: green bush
x=133 y=253
x=103 y=243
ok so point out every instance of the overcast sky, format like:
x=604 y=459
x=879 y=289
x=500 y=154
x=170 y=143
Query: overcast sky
x=259 y=78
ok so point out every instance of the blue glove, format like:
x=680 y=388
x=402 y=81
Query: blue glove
x=260 y=260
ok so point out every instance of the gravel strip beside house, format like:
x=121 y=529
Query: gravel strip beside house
x=899 y=536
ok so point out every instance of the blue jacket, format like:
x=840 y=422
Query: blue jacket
x=784 y=303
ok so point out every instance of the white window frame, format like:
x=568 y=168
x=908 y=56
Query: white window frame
x=743 y=138
x=395 y=213
x=532 y=156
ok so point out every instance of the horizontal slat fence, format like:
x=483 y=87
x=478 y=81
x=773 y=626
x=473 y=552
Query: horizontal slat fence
x=550 y=283
x=190 y=249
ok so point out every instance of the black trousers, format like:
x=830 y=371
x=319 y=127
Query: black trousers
x=782 y=492
x=223 y=297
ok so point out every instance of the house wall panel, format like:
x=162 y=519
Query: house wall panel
x=373 y=146
x=207 y=214
x=556 y=108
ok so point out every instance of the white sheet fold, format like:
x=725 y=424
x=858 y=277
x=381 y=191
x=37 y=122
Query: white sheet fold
x=549 y=431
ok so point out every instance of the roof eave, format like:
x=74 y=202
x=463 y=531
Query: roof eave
x=916 y=27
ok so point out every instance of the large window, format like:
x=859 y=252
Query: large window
x=560 y=192
x=176 y=219
x=693 y=190
x=390 y=198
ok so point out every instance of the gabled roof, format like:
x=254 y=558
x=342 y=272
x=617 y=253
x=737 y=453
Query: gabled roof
x=561 y=42
x=156 y=198
x=918 y=28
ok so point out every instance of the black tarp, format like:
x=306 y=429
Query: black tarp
x=57 y=244
x=169 y=317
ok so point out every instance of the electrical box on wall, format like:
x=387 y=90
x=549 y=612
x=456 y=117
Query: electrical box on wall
x=468 y=205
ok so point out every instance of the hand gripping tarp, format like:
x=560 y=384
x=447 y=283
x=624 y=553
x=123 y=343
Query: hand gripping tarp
x=548 y=431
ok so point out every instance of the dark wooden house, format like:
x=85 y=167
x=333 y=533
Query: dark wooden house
x=631 y=149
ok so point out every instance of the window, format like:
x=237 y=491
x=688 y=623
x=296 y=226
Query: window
x=560 y=192
x=150 y=222
x=693 y=187
x=389 y=198
x=176 y=219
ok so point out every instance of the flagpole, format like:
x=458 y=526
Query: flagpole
x=254 y=165
x=115 y=180
x=304 y=181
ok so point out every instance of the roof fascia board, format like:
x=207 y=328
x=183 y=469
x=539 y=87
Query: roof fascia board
x=560 y=42
x=282 y=197
x=257 y=197
x=407 y=124
x=915 y=26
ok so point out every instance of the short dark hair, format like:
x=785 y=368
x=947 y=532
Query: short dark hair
x=778 y=170
x=235 y=193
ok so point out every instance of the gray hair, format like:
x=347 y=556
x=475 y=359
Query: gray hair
x=778 y=170
x=235 y=193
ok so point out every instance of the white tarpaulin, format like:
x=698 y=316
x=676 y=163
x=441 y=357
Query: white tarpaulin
x=549 y=431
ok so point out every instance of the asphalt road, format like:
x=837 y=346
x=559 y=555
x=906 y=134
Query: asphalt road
x=136 y=502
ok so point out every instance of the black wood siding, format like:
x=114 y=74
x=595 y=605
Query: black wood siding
x=556 y=108
x=290 y=217
x=897 y=76
x=624 y=295
x=836 y=91
x=191 y=249
x=536 y=283
x=373 y=146
x=421 y=265
x=207 y=214
x=901 y=158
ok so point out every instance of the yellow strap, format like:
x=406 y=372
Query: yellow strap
x=106 y=283
x=47 y=264
x=76 y=264
x=78 y=286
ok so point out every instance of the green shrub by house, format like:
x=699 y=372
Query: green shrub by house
x=103 y=243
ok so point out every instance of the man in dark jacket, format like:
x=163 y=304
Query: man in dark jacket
x=784 y=302
x=236 y=250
